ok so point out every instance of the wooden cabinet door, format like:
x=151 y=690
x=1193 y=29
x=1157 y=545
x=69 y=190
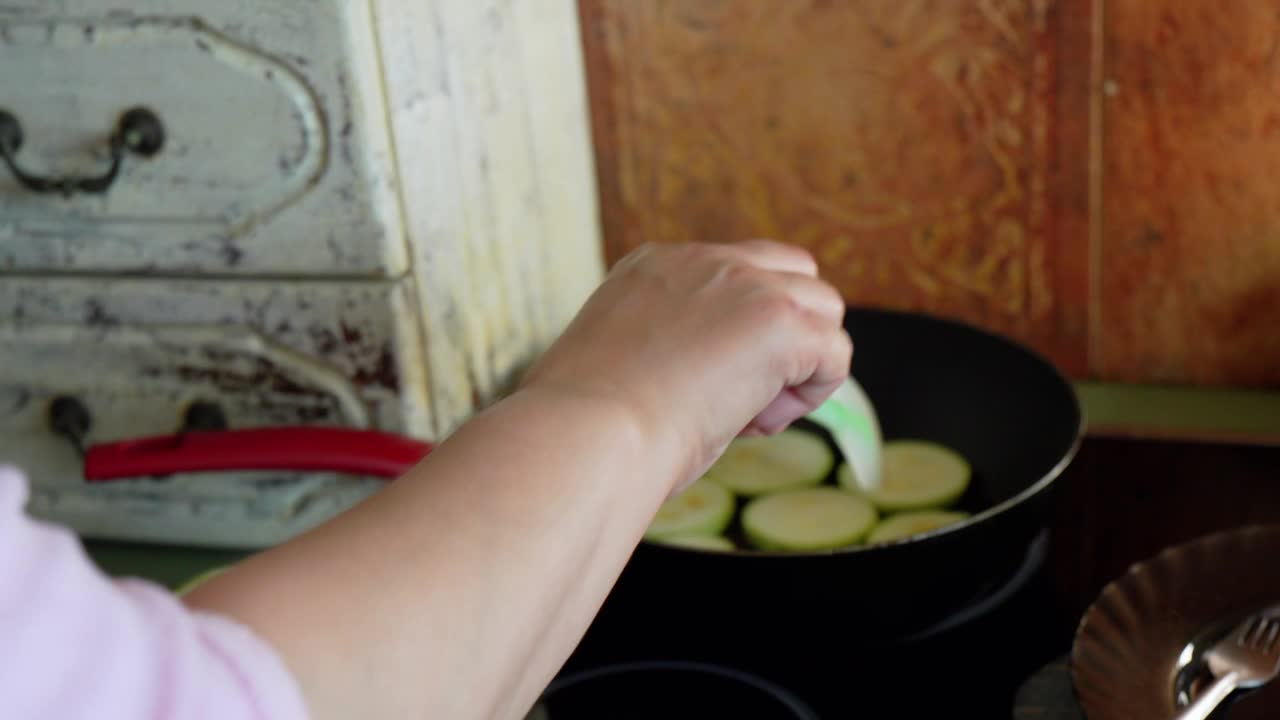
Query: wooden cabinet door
x=1188 y=274
x=912 y=145
x=1093 y=178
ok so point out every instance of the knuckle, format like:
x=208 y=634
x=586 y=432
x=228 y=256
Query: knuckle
x=739 y=272
x=758 y=245
x=693 y=252
x=655 y=257
x=804 y=254
x=834 y=296
x=799 y=254
x=774 y=303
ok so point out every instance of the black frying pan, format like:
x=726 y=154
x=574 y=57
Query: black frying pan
x=1006 y=409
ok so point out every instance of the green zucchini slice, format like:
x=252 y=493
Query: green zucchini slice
x=914 y=475
x=808 y=519
x=910 y=524
x=703 y=508
x=760 y=465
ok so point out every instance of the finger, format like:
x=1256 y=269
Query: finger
x=830 y=368
x=830 y=371
x=816 y=297
x=785 y=409
x=775 y=256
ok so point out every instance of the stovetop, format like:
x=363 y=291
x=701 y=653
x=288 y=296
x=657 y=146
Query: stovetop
x=971 y=665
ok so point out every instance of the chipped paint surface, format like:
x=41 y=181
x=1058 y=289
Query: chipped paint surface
x=395 y=269
x=913 y=146
x=489 y=110
x=138 y=353
x=269 y=166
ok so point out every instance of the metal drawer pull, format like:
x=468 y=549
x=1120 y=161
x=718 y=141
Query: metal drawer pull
x=69 y=418
x=138 y=132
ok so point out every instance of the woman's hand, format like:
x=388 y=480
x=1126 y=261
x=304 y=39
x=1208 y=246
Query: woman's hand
x=703 y=342
x=459 y=589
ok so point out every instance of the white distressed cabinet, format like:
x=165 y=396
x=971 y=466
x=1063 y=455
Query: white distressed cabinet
x=367 y=213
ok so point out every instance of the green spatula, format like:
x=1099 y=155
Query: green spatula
x=851 y=419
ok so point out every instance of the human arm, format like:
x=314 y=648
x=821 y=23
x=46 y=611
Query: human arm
x=460 y=589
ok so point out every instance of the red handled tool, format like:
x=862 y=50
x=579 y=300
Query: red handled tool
x=333 y=449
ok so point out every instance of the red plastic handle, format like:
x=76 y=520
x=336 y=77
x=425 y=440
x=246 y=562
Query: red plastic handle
x=361 y=452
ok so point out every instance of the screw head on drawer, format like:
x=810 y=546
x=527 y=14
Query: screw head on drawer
x=69 y=418
x=204 y=416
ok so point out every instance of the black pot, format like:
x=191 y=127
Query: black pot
x=672 y=690
x=1010 y=412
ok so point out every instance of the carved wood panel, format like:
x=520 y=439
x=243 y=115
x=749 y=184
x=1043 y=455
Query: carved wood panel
x=1189 y=274
x=910 y=144
x=1090 y=177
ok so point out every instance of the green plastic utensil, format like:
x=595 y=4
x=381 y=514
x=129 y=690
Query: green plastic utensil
x=851 y=419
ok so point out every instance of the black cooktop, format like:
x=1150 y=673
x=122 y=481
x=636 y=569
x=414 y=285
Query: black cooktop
x=970 y=665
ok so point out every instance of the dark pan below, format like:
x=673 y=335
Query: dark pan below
x=668 y=689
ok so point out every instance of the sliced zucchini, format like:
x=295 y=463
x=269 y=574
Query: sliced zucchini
x=817 y=518
x=703 y=508
x=759 y=465
x=914 y=475
x=909 y=524
x=698 y=542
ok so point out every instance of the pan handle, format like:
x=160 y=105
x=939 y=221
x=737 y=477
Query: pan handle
x=332 y=449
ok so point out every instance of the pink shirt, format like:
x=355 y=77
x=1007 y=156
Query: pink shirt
x=74 y=643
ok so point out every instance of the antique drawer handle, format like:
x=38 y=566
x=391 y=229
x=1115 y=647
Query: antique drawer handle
x=69 y=418
x=138 y=132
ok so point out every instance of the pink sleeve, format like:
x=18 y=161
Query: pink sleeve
x=75 y=643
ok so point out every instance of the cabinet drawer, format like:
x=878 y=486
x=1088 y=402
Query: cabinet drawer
x=275 y=156
x=136 y=355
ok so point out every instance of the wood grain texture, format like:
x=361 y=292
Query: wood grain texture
x=488 y=112
x=1189 y=282
x=913 y=146
x=1094 y=177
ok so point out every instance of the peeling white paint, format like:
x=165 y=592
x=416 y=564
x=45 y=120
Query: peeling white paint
x=264 y=170
x=433 y=229
x=137 y=353
x=489 y=112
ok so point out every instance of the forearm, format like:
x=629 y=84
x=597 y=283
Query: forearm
x=403 y=607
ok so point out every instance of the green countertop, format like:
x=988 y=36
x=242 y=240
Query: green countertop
x=1187 y=413
x=165 y=564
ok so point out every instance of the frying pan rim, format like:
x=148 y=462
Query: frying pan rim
x=983 y=516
